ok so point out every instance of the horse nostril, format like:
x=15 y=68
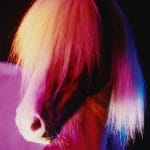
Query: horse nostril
x=36 y=124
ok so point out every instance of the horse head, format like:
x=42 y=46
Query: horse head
x=63 y=52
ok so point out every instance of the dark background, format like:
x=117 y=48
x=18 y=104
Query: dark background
x=137 y=11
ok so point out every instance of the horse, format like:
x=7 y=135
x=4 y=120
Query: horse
x=81 y=79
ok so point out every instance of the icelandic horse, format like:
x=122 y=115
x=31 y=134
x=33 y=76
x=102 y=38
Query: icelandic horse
x=81 y=80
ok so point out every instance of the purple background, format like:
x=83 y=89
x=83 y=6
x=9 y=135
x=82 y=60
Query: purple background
x=10 y=139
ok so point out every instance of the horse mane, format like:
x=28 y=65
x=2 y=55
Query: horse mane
x=127 y=102
x=61 y=41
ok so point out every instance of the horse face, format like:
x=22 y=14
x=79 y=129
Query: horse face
x=28 y=119
x=62 y=63
x=44 y=108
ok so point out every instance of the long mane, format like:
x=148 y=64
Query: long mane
x=127 y=102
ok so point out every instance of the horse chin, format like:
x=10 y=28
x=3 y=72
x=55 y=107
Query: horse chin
x=31 y=126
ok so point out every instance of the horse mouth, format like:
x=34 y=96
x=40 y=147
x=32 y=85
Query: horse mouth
x=32 y=128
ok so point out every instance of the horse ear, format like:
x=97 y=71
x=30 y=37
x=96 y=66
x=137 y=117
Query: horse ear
x=126 y=108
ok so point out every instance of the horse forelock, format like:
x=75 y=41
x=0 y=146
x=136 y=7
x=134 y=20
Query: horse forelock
x=60 y=62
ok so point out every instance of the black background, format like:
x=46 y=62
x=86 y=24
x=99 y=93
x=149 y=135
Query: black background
x=137 y=11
